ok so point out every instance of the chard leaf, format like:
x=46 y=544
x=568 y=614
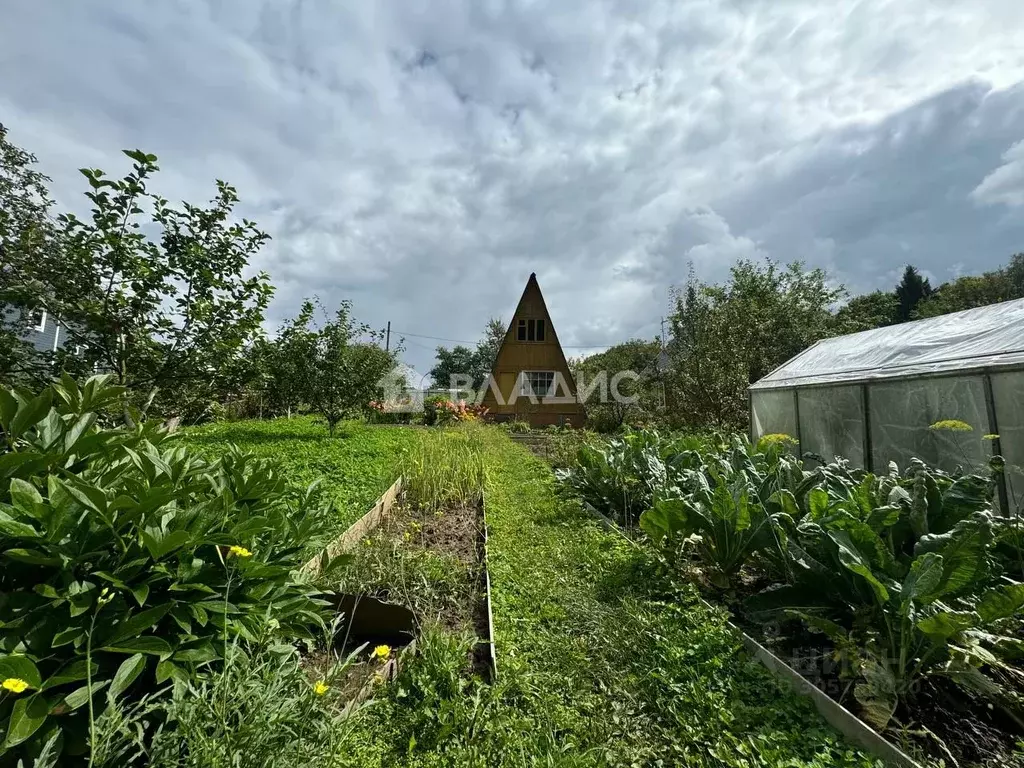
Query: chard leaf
x=1001 y=602
x=877 y=694
x=925 y=575
x=854 y=562
x=946 y=624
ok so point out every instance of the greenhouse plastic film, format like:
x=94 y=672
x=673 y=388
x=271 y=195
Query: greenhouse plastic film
x=985 y=337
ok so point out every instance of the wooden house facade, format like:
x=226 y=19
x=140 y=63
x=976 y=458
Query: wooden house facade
x=530 y=380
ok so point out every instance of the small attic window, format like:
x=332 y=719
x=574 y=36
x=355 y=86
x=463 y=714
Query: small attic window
x=530 y=330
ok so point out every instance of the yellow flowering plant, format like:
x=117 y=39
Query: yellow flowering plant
x=123 y=560
x=320 y=687
x=382 y=652
x=15 y=685
x=951 y=425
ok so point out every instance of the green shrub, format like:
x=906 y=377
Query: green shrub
x=128 y=562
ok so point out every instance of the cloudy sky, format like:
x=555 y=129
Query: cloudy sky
x=422 y=158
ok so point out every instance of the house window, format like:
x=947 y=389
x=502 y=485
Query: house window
x=39 y=319
x=538 y=383
x=530 y=330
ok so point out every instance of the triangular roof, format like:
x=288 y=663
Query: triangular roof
x=532 y=293
x=983 y=337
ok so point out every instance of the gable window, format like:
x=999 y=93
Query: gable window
x=538 y=383
x=39 y=319
x=530 y=330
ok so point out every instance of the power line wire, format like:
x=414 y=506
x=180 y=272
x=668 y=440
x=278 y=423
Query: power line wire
x=465 y=341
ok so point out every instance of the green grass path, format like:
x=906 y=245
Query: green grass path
x=618 y=676
x=354 y=468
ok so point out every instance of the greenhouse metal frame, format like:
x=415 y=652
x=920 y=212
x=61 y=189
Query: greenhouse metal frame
x=904 y=391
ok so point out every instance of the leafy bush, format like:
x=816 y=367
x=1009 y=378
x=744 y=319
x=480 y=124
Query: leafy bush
x=729 y=523
x=516 y=427
x=443 y=412
x=129 y=562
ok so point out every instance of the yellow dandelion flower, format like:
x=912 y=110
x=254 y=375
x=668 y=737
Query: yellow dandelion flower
x=952 y=425
x=238 y=551
x=382 y=652
x=320 y=687
x=990 y=437
x=367 y=542
x=15 y=685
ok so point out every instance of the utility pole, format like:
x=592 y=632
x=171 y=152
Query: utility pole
x=387 y=339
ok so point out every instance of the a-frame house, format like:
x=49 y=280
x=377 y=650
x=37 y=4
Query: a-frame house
x=530 y=379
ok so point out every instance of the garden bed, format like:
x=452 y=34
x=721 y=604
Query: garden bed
x=891 y=600
x=433 y=563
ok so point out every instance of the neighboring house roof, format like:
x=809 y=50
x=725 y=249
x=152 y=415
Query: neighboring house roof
x=981 y=338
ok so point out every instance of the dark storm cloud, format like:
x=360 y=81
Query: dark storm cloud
x=422 y=158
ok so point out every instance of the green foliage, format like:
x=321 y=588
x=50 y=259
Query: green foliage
x=461 y=367
x=637 y=356
x=870 y=310
x=896 y=567
x=968 y=291
x=128 y=561
x=431 y=405
x=259 y=709
x=26 y=232
x=351 y=469
x=166 y=315
x=725 y=337
x=623 y=476
x=900 y=570
x=327 y=365
x=727 y=518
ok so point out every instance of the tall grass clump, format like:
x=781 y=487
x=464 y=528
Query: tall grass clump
x=445 y=468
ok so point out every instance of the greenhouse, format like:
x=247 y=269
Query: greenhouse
x=898 y=392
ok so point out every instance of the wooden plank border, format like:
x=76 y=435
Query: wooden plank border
x=492 y=652
x=358 y=529
x=839 y=717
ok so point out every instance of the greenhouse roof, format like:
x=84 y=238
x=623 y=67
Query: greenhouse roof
x=985 y=337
